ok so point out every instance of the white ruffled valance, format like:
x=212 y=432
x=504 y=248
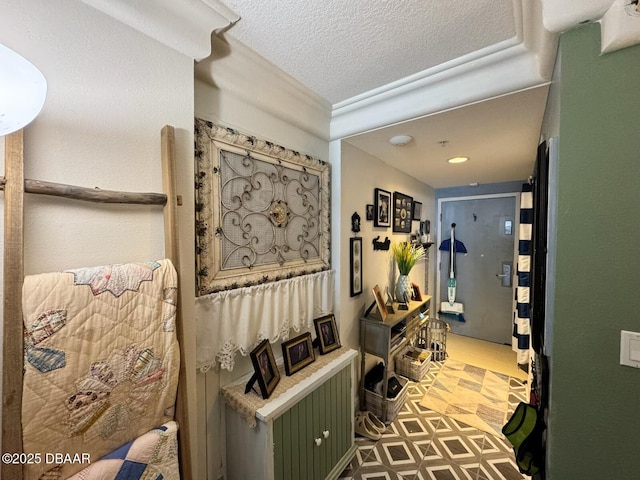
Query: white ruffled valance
x=237 y=320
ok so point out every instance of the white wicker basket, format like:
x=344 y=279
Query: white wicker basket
x=437 y=339
x=373 y=402
x=413 y=362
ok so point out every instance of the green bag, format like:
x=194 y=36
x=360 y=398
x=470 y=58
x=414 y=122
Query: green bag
x=524 y=430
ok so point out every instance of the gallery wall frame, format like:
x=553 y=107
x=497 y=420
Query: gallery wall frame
x=417 y=210
x=355 y=266
x=402 y=212
x=382 y=208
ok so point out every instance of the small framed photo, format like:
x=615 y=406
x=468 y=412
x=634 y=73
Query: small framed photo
x=416 y=295
x=298 y=353
x=417 y=210
x=425 y=227
x=265 y=368
x=369 y=212
x=380 y=302
x=355 y=260
x=327 y=333
x=382 y=208
x=402 y=212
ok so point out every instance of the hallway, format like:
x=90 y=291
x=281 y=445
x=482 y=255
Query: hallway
x=422 y=444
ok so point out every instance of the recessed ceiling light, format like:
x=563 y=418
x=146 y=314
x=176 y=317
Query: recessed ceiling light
x=458 y=159
x=400 y=140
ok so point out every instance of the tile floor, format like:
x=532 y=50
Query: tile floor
x=421 y=444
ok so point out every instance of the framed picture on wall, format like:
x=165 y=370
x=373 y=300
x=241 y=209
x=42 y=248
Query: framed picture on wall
x=355 y=260
x=382 y=208
x=370 y=210
x=402 y=212
x=417 y=210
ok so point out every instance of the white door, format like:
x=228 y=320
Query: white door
x=487 y=227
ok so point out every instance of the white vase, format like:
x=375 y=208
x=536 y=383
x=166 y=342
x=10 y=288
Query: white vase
x=403 y=286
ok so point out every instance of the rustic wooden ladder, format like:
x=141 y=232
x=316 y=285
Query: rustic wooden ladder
x=15 y=186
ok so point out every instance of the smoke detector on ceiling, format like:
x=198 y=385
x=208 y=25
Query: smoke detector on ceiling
x=400 y=140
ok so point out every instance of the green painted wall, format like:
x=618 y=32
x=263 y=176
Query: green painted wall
x=594 y=418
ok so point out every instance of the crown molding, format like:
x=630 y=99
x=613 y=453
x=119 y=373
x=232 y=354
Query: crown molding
x=464 y=81
x=562 y=15
x=619 y=20
x=236 y=70
x=184 y=25
x=620 y=27
x=522 y=62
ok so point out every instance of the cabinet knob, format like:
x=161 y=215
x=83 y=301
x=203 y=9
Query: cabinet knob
x=325 y=433
x=318 y=442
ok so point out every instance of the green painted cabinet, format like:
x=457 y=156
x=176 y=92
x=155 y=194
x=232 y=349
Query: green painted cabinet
x=304 y=434
x=314 y=434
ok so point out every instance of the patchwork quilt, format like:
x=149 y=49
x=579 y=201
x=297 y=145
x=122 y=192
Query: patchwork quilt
x=101 y=361
x=153 y=456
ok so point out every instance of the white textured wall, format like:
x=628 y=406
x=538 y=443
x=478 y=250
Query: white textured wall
x=253 y=97
x=110 y=91
x=361 y=174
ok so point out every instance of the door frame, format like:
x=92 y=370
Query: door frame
x=516 y=240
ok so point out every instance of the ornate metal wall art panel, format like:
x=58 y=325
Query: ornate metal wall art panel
x=262 y=211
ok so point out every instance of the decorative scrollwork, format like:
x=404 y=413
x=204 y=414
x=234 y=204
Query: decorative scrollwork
x=263 y=215
x=279 y=213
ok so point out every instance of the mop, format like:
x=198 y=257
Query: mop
x=451 y=308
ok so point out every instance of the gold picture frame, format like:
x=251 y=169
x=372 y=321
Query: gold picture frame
x=382 y=308
x=298 y=353
x=327 y=334
x=265 y=368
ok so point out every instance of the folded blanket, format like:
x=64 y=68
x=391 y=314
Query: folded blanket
x=101 y=361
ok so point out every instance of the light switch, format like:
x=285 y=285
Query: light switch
x=630 y=348
x=634 y=350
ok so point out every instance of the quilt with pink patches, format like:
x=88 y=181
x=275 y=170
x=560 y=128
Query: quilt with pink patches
x=101 y=361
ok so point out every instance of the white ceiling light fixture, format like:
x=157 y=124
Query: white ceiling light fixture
x=400 y=140
x=458 y=159
x=23 y=90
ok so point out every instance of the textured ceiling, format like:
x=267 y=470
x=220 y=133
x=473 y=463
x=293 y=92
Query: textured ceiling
x=340 y=48
x=472 y=73
x=499 y=135
x=359 y=52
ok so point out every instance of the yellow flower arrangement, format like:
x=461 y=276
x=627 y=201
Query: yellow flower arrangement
x=406 y=255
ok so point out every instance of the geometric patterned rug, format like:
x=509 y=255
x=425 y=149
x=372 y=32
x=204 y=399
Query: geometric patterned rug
x=471 y=395
x=421 y=444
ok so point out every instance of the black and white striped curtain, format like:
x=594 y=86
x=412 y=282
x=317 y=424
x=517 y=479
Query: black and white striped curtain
x=522 y=314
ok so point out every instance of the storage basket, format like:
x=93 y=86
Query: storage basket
x=373 y=402
x=421 y=336
x=437 y=339
x=413 y=362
